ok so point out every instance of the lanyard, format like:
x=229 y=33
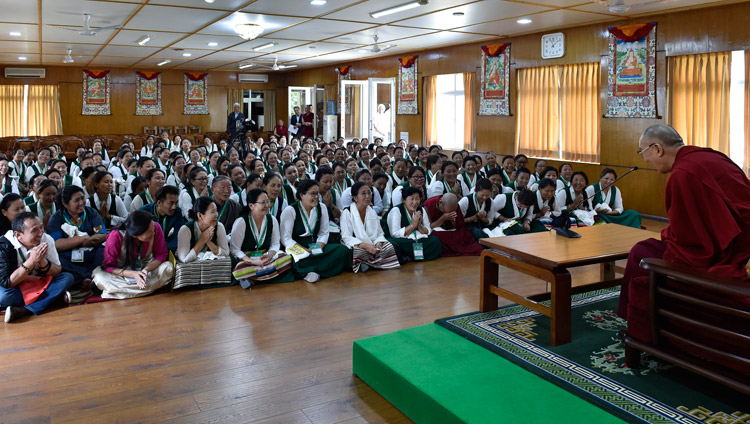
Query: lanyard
x=80 y=221
x=23 y=257
x=338 y=187
x=272 y=210
x=259 y=237
x=138 y=264
x=223 y=208
x=476 y=203
x=409 y=219
x=163 y=221
x=307 y=223
x=148 y=196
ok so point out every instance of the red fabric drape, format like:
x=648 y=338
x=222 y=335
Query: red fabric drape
x=343 y=70
x=148 y=75
x=632 y=32
x=96 y=73
x=195 y=76
x=407 y=61
x=494 y=50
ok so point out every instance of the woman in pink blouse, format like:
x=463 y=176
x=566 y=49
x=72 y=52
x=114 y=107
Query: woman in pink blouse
x=135 y=259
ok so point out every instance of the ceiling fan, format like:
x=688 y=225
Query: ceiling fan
x=68 y=58
x=376 y=48
x=87 y=30
x=274 y=67
x=621 y=6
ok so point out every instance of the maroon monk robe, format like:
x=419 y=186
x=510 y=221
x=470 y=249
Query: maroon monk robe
x=460 y=241
x=708 y=205
x=307 y=130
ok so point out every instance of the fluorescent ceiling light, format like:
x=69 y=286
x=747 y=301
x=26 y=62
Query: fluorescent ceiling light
x=213 y=44
x=287 y=66
x=363 y=51
x=187 y=54
x=14 y=34
x=318 y=2
x=399 y=8
x=524 y=21
x=21 y=57
x=209 y=1
x=247 y=65
x=164 y=62
x=264 y=46
x=143 y=40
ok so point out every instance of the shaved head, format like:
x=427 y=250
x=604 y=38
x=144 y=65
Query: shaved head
x=449 y=201
x=666 y=135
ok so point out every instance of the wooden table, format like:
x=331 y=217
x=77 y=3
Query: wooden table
x=547 y=257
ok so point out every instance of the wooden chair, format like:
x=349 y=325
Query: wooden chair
x=195 y=129
x=169 y=130
x=699 y=322
x=150 y=130
x=180 y=129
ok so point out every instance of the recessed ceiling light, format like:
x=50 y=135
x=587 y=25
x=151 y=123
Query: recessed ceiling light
x=399 y=8
x=524 y=21
x=14 y=34
x=363 y=51
x=164 y=62
x=247 y=65
x=209 y=1
x=458 y=13
x=21 y=57
x=264 y=46
x=311 y=47
x=187 y=54
x=213 y=44
x=318 y=2
x=143 y=40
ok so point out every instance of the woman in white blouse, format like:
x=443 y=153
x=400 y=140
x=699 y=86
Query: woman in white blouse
x=361 y=232
x=203 y=233
x=111 y=208
x=409 y=227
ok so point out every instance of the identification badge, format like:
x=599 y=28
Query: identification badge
x=256 y=254
x=77 y=255
x=418 y=252
x=316 y=249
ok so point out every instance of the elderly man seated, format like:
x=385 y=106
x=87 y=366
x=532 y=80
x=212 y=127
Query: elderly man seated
x=447 y=224
x=30 y=278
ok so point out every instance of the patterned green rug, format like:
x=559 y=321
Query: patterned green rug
x=593 y=366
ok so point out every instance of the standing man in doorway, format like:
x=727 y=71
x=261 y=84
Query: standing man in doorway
x=308 y=122
x=235 y=122
x=295 y=122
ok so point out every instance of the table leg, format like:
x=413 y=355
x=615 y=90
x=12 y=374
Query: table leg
x=560 y=302
x=488 y=273
x=607 y=271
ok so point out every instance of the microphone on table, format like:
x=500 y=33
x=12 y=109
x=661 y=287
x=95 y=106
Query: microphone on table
x=562 y=223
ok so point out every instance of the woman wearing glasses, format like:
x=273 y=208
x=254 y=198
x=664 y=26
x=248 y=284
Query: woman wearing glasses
x=606 y=200
x=361 y=232
x=416 y=179
x=305 y=223
x=255 y=246
x=197 y=186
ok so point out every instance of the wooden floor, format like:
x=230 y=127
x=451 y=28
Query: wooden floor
x=272 y=354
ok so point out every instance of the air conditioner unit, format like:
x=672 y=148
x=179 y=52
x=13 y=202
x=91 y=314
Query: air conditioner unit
x=25 y=73
x=252 y=78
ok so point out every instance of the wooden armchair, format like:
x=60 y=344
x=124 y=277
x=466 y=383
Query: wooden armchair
x=699 y=322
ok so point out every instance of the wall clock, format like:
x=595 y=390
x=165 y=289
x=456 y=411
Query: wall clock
x=553 y=45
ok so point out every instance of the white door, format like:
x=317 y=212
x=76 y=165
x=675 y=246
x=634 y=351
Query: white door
x=383 y=111
x=354 y=109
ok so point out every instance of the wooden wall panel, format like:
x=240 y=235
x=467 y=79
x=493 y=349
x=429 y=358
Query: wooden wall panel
x=694 y=31
x=122 y=96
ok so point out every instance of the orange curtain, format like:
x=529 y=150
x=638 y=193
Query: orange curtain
x=429 y=91
x=699 y=99
x=580 y=111
x=11 y=110
x=747 y=111
x=538 y=124
x=470 y=111
x=44 y=110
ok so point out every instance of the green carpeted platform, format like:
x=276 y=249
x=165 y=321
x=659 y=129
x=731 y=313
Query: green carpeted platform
x=435 y=376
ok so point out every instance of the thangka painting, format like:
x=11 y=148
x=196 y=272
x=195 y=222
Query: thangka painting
x=196 y=93
x=494 y=81
x=96 y=85
x=407 y=85
x=344 y=73
x=148 y=93
x=631 y=79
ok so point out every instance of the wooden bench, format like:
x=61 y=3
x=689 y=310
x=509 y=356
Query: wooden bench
x=699 y=322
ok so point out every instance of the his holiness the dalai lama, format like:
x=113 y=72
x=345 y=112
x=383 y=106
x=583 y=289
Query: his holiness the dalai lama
x=708 y=206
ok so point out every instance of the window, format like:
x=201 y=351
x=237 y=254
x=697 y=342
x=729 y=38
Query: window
x=449 y=111
x=30 y=110
x=737 y=111
x=559 y=112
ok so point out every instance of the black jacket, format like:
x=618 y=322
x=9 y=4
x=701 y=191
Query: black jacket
x=9 y=259
x=231 y=125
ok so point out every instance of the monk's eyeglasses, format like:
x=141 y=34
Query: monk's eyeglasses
x=641 y=152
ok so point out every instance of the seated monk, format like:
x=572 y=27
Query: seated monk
x=708 y=205
x=447 y=223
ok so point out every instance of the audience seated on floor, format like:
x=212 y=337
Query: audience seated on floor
x=271 y=211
